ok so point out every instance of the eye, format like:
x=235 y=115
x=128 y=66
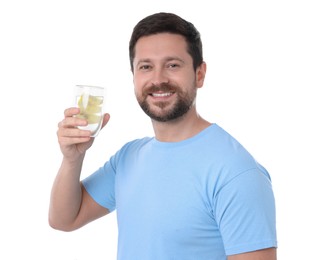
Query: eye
x=144 y=67
x=173 y=65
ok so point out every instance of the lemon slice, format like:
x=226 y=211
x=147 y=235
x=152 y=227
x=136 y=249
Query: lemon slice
x=93 y=119
x=90 y=108
x=92 y=103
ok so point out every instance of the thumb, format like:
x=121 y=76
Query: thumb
x=105 y=121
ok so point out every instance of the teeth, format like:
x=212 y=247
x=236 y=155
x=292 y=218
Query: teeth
x=161 y=94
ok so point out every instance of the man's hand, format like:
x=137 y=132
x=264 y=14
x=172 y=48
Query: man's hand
x=75 y=142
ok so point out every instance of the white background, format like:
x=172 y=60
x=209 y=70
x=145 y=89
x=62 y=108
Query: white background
x=268 y=83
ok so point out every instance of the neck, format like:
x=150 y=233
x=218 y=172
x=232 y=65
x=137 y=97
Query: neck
x=181 y=128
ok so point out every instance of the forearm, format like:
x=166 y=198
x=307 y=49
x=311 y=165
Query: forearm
x=263 y=254
x=66 y=195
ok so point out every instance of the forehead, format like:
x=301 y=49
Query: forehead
x=161 y=44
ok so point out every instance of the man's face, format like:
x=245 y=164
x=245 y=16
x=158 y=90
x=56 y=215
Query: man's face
x=164 y=79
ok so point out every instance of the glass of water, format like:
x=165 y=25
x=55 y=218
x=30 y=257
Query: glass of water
x=90 y=100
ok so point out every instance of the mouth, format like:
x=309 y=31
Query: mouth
x=162 y=95
x=161 y=92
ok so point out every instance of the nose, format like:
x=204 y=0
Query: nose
x=159 y=77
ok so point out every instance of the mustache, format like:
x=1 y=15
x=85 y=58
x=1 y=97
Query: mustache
x=164 y=87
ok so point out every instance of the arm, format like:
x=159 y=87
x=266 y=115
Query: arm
x=70 y=205
x=247 y=217
x=264 y=254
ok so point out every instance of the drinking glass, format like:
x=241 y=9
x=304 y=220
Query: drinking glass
x=90 y=99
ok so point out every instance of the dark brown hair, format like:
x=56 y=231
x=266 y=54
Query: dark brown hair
x=170 y=23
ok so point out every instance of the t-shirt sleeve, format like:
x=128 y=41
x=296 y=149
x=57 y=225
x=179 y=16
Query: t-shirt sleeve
x=245 y=213
x=101 y=185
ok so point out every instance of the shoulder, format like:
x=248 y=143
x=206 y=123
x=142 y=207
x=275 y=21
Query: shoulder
x=228 y=150
x=136 y=143
x=230 y=159
x=132 y=147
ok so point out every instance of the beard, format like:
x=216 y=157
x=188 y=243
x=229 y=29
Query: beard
x=166 y=112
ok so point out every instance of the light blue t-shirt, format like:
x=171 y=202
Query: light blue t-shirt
x=201 y=198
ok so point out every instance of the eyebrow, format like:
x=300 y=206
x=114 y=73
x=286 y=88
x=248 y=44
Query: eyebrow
x=167 y=59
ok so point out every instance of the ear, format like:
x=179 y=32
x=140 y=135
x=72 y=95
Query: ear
x=200 y=74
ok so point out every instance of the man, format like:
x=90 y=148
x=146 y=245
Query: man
x=190 y=192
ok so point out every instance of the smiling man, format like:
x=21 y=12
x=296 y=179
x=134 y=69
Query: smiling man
x=164 y=78
x=190 y=192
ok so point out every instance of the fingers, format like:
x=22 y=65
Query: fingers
x=73 y=132
x=69 y=141
x=71 y=111
x=70 y=121
x=73 y=141
x=68 y=126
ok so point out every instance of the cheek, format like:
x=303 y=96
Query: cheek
x=137 y=80
x=138 y=85
x=140 y=82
